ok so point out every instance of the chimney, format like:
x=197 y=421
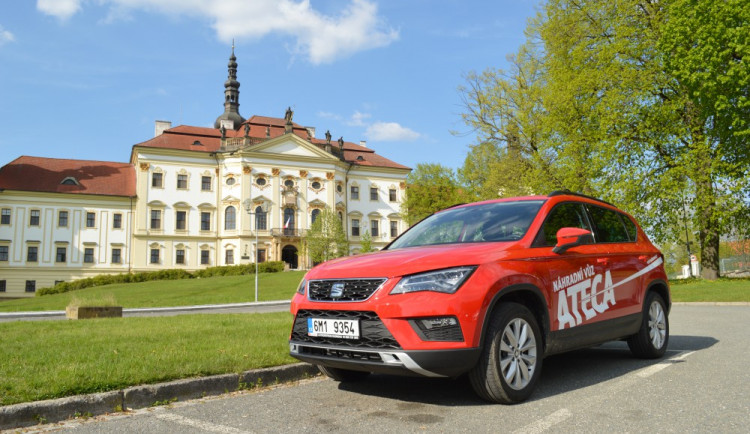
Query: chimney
x=363 y=143
x=161 y=126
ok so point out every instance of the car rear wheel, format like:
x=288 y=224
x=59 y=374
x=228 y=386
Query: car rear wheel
x=511 y=360
x=342 y=375
x=651 y=340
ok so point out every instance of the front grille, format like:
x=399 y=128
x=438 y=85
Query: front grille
x=373 y=333
x=345 y=290
x=362 y=356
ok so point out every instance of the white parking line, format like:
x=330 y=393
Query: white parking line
x=612 y=387
x=546 y=423
x=195 y=423
x=653 y=369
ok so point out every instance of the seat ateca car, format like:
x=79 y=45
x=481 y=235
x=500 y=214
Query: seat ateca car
x=487 y=289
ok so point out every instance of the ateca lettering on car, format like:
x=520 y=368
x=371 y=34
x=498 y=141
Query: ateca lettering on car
x=488 y=289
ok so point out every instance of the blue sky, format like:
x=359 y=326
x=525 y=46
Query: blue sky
x=86 y=79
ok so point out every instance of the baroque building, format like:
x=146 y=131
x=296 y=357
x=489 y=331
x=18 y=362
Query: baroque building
x=192 y=197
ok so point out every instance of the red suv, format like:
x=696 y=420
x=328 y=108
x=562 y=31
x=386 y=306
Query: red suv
x=488 y=289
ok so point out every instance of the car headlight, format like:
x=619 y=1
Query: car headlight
x=301 y=287
x=446 y=281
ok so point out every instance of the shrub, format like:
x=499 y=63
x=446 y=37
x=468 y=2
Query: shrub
x=169 y=274
x=271 y=267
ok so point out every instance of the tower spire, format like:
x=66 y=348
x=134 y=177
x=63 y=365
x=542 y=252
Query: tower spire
x=231 y=113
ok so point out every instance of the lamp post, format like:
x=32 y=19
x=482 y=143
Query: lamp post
x=263 y=210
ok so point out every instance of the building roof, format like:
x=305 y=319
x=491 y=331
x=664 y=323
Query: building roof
x=81 y=176
x=202 y=139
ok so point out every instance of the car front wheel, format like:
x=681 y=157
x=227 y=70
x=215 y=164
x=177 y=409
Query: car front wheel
x=511 y=360
x=651 y=340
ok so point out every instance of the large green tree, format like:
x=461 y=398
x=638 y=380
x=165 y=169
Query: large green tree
x=326 y=238
x=641 y=102
x=430 y=187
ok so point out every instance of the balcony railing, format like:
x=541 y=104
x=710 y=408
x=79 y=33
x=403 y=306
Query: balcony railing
x=287 y=232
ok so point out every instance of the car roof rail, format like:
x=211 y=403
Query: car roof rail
x=573 y=193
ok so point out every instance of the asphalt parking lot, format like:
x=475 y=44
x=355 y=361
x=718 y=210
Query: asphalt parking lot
x=703 y=385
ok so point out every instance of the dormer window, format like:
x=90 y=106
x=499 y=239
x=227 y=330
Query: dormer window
x=70 y=181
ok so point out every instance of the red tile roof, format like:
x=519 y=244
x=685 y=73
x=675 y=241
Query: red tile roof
x=46 y=175
x=203 y=139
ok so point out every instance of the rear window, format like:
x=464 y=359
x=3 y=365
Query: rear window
x=491 y=222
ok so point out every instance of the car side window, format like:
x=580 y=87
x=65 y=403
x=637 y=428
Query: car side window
x=631 y=228
x=609 y=225
x=564 y=215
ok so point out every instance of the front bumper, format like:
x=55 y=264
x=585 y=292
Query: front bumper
x=426 y=363
x=377 y=350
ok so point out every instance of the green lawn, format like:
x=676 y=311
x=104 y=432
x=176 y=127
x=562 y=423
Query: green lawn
x=164 y=293
x=722 y=290
x=51 y=359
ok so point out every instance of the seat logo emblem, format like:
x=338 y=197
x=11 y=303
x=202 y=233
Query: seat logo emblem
x=337 y=290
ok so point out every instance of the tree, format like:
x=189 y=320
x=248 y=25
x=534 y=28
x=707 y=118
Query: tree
x=523 y=148
x=326 y=238
x=429 y=188
x=640 y=102
x=365 y=243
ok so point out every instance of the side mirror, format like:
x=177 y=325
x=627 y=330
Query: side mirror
x=571 y=237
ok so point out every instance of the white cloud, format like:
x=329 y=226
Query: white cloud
x=358 y=119
x=321 y=38
x=329 y=115
x=62 y=9
x=6 y=36
x=390 y=132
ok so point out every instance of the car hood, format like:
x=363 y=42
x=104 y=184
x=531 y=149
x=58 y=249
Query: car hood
x=400 y=262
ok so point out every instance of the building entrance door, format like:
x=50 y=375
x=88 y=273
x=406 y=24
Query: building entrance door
x=289 y=255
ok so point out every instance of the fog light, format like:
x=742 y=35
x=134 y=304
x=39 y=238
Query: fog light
x=431 y=323
x=444 y=328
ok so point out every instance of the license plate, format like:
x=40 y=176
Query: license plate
x=333 y=328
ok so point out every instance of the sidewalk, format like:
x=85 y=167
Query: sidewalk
x=251 y=307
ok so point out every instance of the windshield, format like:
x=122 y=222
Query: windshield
x=490 y=222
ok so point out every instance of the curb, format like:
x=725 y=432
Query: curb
x=55 y=410
x=61 y=313
x=711 y=303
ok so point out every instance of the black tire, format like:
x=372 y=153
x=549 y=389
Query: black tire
x=342 y=375
x=522 y=363
x=653 y=337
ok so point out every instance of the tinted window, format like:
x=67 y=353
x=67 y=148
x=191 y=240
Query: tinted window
x=630 y=227
x=564 y=215
x=499 y=221
x=609 y=225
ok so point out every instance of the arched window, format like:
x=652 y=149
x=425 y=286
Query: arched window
x=315 y=215
x=260 y=219
x=230 y=218
x=288 y=221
